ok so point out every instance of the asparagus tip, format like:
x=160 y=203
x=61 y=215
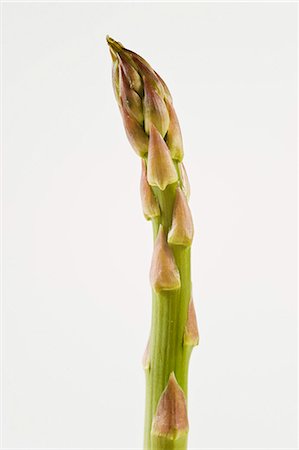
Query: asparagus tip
x=115 y=46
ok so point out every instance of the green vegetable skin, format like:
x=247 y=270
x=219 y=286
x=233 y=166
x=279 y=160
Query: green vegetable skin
x=153 y=130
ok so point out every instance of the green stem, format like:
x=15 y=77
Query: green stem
x=182 y=257
x=169 y=316
x=160 y=443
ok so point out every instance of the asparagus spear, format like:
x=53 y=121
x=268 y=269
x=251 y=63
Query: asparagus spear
x=153 y=130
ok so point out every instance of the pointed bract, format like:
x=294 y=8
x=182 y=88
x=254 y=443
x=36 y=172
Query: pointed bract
x=141 y=64
x=135 y=133
x=171 y=420
x=174 y=139
x=191 y=335
x=160 y=168
x=130 y=100
x=133 y=77
x=146 y=356
x=164 y=274
x=147 y=73
x=167 y=94
x=150 y=204
x=184 y=180
x=115 y=79
x=154 y=109
x=181 y=231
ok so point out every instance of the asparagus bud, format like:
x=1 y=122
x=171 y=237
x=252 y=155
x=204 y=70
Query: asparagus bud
x=132 y=77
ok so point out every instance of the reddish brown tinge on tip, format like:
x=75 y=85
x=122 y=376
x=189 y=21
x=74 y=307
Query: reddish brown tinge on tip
x=171 y=420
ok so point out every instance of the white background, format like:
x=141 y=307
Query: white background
x=76 y=295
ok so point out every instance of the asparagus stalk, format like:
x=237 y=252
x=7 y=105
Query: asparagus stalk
x=153 y=130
